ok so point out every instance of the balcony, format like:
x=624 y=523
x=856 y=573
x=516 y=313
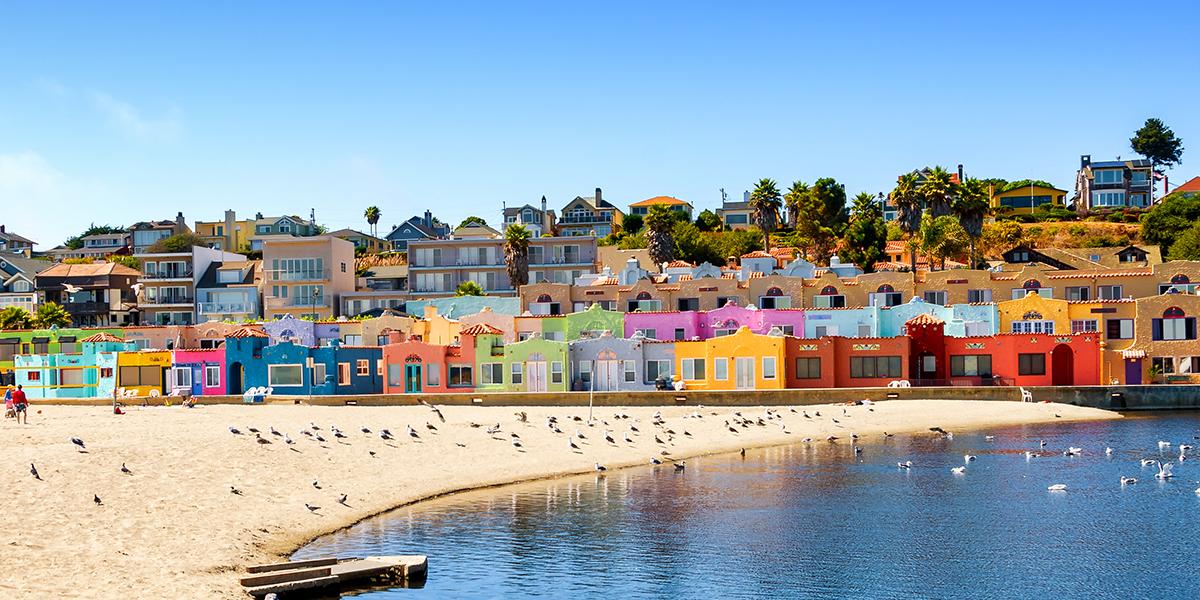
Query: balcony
x=586 y=219
x=86 y=308
x=286 y=303
x=302 y=275
x=167 y=301
x=225 y=308
x=168 y=274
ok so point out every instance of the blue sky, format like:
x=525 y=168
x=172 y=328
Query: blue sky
x=117 y=113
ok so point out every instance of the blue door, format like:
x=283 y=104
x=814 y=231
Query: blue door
x=412 y=379
x=197 y=380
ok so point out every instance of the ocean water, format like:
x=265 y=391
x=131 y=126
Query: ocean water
x=816 y=521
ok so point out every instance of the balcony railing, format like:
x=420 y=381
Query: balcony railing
x=224 y=308
x=186 y=274
x=586 y=220
x=302 y=275
x=302 y=302
x=168 y=301
x=86 y=308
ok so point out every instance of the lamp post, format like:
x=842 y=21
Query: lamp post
x=316 y=293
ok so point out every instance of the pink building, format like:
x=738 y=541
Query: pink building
x=665 y=325
x=686 y=325
x=201 y=372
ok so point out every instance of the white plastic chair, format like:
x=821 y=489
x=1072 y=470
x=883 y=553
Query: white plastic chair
x=1026 y=396
x=154 y=393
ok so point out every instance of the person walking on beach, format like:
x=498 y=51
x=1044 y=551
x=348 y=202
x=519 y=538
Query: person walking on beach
x=8 y=403
x=20 y=404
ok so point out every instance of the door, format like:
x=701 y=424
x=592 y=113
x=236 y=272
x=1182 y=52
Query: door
x=535 y=375
x=412 y=379
x=1062 y=363
x=1133 y=371
x=605 y=377
x=198 y=380
x=928 y=367
x=234 y=377
x=743 y=370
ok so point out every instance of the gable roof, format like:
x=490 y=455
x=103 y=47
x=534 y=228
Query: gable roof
x=481 y=329
x=661 y=200
x=1190 y=186
x=27 y=266
x=414 y=224
x=88 y=270
x=12 y=237
x=103 y=336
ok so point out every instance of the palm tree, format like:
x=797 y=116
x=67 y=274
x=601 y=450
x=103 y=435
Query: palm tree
x=938 y=191
x=15 y=317
x=908 y=211
x=52 y=314
x=766 y=201
x=516 y=254
x=469 y=288
x=372 y=214
x=660 y=243
x=971 y=207
x=794 y=200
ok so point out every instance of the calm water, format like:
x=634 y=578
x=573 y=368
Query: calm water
x=815 y=521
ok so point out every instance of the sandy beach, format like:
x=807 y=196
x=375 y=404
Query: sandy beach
x=173 y=528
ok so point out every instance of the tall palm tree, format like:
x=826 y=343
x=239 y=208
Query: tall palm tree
x=372 y=214
x=907 y=201
x=794 y=200
x=938 y=191
x=52 y=314
x=660 y=241
x=766 y=201
x=15 y=317
x=971 y=207
x=516 y=254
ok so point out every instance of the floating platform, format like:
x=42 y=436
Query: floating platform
x=335 y=573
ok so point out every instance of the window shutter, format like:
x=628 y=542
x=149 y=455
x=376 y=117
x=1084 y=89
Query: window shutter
x=1190 y=328
x=1156 y=329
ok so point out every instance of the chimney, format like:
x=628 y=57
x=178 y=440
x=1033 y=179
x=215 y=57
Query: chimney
x=1 y=229
x=1085 y=161
x=230 y=217
x=428 y=219
x=258 y=216
x=960 y=174
x=746 y=196
x=180 y=225
x=599 y=197
x=545 y=217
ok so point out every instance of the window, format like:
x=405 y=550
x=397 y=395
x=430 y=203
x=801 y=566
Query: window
x=1119 y=329
x=1109 y=292
x=212 y=376
x=1173 y=326
x=630 y=369
x=1109 y=176
x=556 y=371
x=1019 y=256
x=318 y=374
x=516 y=373
x=33 y=375
x=458 y=376
x=1084 y=326
x=1034 y=326
x=820 y=331
x=768 y=367
x=656 y=369
x=938 y=297
x=344 y=373
x=679 y=333
x=277 y=375
x=971 y=365
x=491 y=373
x=1079 y=293
x=864 y=330
x=1164 y=364
x=1019 y=293
x=808 y=368
x=829 y=301
x=721 y=369
x=1189 y=365
x=868 y=367
x=692 y=368
x=979 y=296
x=650 y=334
x=585 y=371
x=433 y=375
x=1031 y=364
x=785 y=329
x=1116 y=198
x=106 y=372
x=689 y=304
x=379 y=367
x=362 y=367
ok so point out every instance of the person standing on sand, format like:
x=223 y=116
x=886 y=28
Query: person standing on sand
x=8 y=403
x=20 y=404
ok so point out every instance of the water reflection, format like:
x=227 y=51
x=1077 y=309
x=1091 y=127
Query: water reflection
x=814 y=520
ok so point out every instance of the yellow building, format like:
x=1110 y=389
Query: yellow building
x=1114 y=320
x=741 y=361
x=436 y=329
x=1034 y=314
x=143 y=371
x=1023 y=200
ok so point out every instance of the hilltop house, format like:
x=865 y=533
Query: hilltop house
x=144 y=234
x=589 y=216
x=1025 y=199
x=417 y=228
x=643 y=208
x=18 y=286
x=96 y=295
x=1114 y=184
x=736 y=215
x=363 y=241
x=11 y=242
x=538 y=221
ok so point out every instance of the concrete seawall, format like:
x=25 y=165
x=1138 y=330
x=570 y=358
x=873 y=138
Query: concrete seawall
x=1134 y=397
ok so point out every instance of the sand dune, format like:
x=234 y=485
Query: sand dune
x=173 y=529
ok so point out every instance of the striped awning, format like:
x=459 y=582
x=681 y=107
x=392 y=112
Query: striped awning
x=1133 y=354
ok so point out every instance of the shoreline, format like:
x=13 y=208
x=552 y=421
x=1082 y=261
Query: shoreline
x=174 y=524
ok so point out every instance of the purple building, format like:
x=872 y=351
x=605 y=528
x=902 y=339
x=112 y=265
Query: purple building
x=686 y=325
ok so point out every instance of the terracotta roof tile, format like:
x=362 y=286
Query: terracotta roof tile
x=757 y=254
x=679 y=263
x=924 y=319
x=247 y=332
x=102 y=337
x=481 y=329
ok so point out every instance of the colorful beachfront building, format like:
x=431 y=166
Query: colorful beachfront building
x=198 y=372
x=688 y=325
x=143 y=371
x=54 y=340
x=291 y=369
x=740 y=361
x=606 y=363
x=572 y=326
x=86 y=372
x=960 y=319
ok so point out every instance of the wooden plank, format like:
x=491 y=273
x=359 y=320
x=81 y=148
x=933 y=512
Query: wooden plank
x=281 y=576
x=290 y=586
x=299 y=564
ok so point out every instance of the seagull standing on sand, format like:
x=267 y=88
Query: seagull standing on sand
x=125 y=469
x=33 y=471
x=260 y=439
x=654 y=460
x=232 y=429
x=79 y=443
x=273 y=430
x=430 y=426
x=516 y=443
x=288 y=440
x=342 y=500
x=311 y=508
x=601 y=468
x=572 y=444
x=628 y=440
x=96 y=499
x=412 y=433
x=233 y=490
x=608 y=437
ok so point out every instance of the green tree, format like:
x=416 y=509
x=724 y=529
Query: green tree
x=633 y=242
x=631 y=223
x=1158 y=144
x=659 y=226
x=794 y=200
x=971 y=206
x=469 y=288
x=738 y=242
x=942 y=238
x=1001 y=236
x=765 y=202
x=694 y=246
x=52 y=314
x=472 y=220
x=821 y=218
x=516 y=254
x=866 y=235
x=708 y=221
x=124 y=259
x=938 y=190
x=15 y=317
x=1169 y=219
x=907 y=200
x=372 y=215
x=75 y=242
x=1185 y=247
x=180 y=242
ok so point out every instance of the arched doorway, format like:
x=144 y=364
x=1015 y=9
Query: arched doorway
x=1062 y=365
x=235 y=379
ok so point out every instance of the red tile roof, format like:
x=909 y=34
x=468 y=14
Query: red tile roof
x=246 y=332
x=757 y=254
x=1192 y=186
x=102 y=337
x=481 y=329
x=659 y=200
x=680 y=263
x=924 y=319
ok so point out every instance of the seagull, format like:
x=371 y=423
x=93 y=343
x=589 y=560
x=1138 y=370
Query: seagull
x=579 y=434
x=988 y=438
x=96 y=499
x=633 y=429
x=232 y=429
x=1146 y=462
x=412 y=433
x=385 y=434
x=685 y=432
x=572 y=444
x=1108 y=451
x=1128 y=480
x=260 y=439
x=365 y=429
x=516 y=443
x=72 y=289
x=806 y=440
x=743 y=453
x=1073 y=451
x=1058 y=487
x=288 y=440
x=968 y=457
x=522 y=417
x=306 y=432
x=313 y=426
x=371 y=452
x=33 y=471
x=252 y=430
x=628 y=440
x=438 y=412
x=78 y=442
x=316 y=484
x=832 y=438
x=514 y=436
x=124 y=469
x=888 y=435
x=319 y=438
x=679 y=466
x=608 y=437
x=1042 y=444
x=857 y=450
x=342 y=500
x=1029 y=455
x=460 y=444
x=654 y=460
x=959 y=470
x=430 y=426
x=601 y=468
x=233 y=490
x=311 y=508
x=905 y=465
x=1164 y=471
x=494 y=429
x=1162 y=444
x=274 y=431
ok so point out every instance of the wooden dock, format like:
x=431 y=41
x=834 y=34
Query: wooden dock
x=338 y=573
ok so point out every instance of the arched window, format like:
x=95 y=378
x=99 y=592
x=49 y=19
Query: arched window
x=885 y=289
x=544 y=298
x=1032 y=284
x=643 y=296
x=829 y=290
x=1180 y=278
x=1173 y=313
x=774 y=292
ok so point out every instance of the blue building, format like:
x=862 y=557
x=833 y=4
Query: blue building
x=291 y=369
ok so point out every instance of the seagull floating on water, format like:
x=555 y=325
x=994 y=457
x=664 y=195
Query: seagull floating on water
x=968 y=457
x=1058 y=487
x=1128 y=480
x=679 y=466
x=905 y=465
x=655 y=461
x=959 y=470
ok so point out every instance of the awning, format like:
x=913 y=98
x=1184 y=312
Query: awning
x=40 y=340
x=1133 y=354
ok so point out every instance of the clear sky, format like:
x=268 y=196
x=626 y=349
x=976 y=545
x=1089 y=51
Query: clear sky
x=119 y=112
